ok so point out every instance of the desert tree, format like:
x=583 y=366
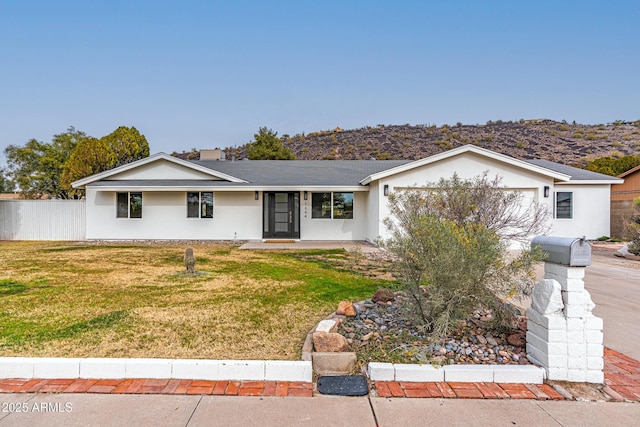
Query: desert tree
x=451 y=244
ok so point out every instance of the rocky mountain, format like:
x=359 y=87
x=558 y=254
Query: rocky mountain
x=569 y=143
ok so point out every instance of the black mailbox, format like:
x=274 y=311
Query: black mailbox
x=565 y=250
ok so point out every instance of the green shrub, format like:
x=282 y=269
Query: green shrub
x=634 y=230
x=450 y=241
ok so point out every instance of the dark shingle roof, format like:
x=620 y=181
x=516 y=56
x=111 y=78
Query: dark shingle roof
x=302 y=172
x=310 y=173
x=576 y=174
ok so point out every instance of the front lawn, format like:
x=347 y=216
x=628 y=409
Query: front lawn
x=99 y=300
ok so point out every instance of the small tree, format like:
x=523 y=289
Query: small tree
x=36 y=167
x=91 y=156
x=267 y=146
x=451 y=245
x=123 y=145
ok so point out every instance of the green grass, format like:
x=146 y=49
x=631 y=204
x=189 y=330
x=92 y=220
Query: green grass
x=65 y=299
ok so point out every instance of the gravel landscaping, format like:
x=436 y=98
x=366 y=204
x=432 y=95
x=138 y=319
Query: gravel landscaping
x=380 y=332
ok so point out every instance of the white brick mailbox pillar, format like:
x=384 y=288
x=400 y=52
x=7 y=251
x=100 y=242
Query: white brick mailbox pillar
x=563 y=335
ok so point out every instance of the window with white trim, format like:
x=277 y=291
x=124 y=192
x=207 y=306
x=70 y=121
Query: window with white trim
x=332 y=205
x=129 y=205
x=200 y=204
x=564 y=205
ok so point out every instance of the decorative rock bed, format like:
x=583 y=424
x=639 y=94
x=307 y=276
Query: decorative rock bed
x=476 y=353
x=380 y=320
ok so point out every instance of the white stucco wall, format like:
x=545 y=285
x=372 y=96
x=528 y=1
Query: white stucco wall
x=238 y=215
x=591 y=212
x=334 y=229
x=467 y=166
x=161 y=169
x=164 y=216
x=374 y=222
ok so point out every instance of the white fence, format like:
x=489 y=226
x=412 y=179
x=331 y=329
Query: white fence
x=42 y=220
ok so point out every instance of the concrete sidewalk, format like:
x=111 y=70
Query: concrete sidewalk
x=180 y=410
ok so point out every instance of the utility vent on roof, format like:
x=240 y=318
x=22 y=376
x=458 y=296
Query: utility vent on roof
x=212 y=154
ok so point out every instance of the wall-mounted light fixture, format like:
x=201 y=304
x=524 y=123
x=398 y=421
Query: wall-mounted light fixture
x=256 y=195
x=386 y=190
x=546 y=191
x=305 y=195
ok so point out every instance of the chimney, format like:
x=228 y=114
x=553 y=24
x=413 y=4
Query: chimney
x=212 y=154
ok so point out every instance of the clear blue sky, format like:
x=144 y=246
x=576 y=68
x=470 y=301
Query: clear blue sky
x=208 y=74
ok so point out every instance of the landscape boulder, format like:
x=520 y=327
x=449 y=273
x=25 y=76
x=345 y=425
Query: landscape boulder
x=383 y=295
x=346 y=308
x=327 y=326
x=329 y=342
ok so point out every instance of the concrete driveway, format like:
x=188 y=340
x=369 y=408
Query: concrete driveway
x=614 y=285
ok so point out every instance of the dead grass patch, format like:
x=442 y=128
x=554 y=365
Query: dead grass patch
x=78 y=300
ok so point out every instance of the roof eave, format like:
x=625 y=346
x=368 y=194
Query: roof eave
x=629 y=172
x=81 y=183
x=592 y=182
x=249 y=187
x=464 y=149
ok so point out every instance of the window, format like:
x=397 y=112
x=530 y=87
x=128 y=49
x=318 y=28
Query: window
x=332 y=205
x=564 y=205
x=200 y=204
x=129 y=205
x=321 y=205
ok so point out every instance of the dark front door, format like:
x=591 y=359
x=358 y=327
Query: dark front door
x=281 y=215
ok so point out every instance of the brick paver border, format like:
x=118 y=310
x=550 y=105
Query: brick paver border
x=158 y=386
x=621 y=377
x=455 y=390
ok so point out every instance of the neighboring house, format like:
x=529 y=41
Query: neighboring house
x=622 y=196
x=163 y=197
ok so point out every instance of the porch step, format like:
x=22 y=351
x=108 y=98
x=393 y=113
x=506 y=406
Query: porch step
x=279 y=241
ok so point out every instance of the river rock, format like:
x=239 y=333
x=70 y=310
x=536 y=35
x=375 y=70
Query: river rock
x=517 y=339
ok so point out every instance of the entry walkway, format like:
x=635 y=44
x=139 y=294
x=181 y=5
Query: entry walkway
x=348 y=245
